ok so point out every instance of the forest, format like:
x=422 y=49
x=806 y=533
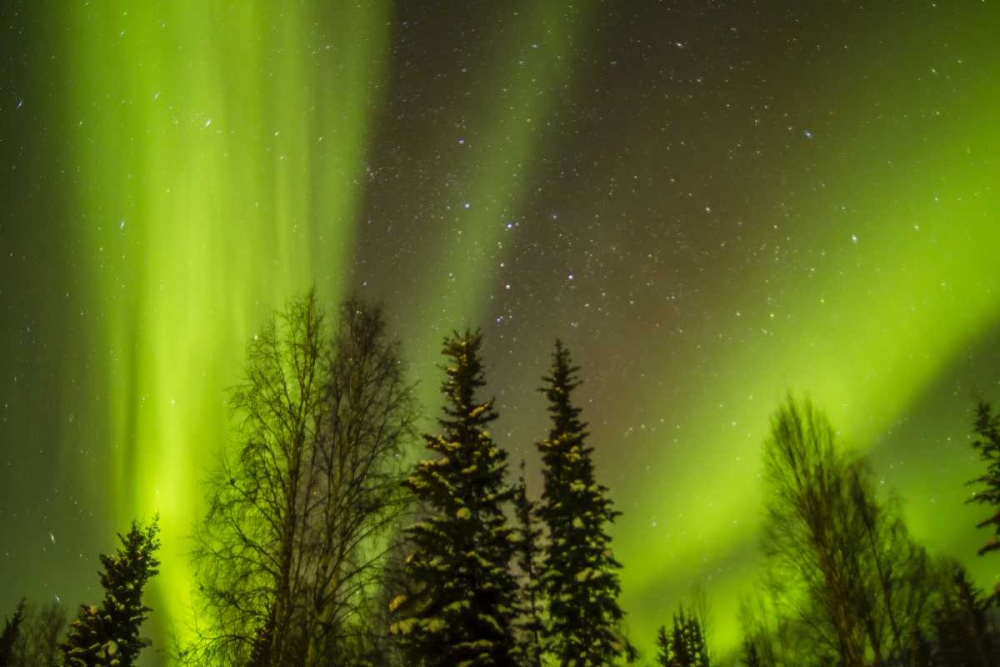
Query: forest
x=328 y=538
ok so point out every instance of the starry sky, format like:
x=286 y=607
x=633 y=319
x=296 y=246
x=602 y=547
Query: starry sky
x=712 y=203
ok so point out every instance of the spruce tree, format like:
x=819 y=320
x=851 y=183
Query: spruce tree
x=961 y=624
x=580 y=574
x=528 y=554
x=685 y=645
x=681 y=651
x=108 y=634
x=462 y=613
x=663 y=647
x=987 y=443
x=10 y=635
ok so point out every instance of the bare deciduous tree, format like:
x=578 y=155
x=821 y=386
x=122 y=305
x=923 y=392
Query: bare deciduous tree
x=292 y=547
x=802 y=533
x=843 y=567
x=356 y=495
x=42 y=630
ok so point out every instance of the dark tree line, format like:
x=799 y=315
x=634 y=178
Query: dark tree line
x=321 y=545
x=307 y=544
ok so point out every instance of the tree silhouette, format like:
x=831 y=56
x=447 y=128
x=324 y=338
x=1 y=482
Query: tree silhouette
x=684 y=645
x=247 y=554
x=751 y=656
x=40 y=636
x=580 y=574
x=356 y=498
x=761 y=630
x=108 y=634
x=11 y=634
x=463 y=610
x=663 y=650
x=840 y=556
x=290 y=554
x=987 y=443
x=805 y=533
x=960 y=623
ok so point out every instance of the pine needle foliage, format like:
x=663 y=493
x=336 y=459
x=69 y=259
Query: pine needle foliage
x=987 y=443
x=108 y=634
x=462 y=614
x=580 y=573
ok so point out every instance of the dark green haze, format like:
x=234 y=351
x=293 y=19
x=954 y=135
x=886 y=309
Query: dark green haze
x=711 y=203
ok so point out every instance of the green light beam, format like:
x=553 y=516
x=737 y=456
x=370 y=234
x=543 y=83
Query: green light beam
x=219 y=147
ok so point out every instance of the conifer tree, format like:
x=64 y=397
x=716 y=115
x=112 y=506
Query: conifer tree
x=987 y=443
x=963 y=638
x=10 y=635
x=462 y=613
x=580 y=574
x=108 y=634
x=528 y=555
x=685 y=645
x=687 y=642
x=662 y=647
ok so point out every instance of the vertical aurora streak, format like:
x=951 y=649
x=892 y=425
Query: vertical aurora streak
x=505 y=140
x=220 y=145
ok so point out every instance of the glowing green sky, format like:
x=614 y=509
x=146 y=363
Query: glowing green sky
x=711 y=205
x=208 y=196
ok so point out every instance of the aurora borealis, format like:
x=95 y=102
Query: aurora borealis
x=710 y=202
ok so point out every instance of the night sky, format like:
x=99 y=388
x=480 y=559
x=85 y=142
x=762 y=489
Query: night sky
x=711 y=203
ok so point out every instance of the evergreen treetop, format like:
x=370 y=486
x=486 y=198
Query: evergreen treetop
x=464 y=611
x=684 y=645
x=580 y=574
x=109 y=634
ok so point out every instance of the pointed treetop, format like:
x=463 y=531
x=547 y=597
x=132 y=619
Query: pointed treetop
x=579 y=574
x=558 y=388
x=463 y=376
x=462 y=608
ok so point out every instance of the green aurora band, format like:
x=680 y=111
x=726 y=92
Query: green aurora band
x=899 y=286
x=221 y=149
x=486 y=194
